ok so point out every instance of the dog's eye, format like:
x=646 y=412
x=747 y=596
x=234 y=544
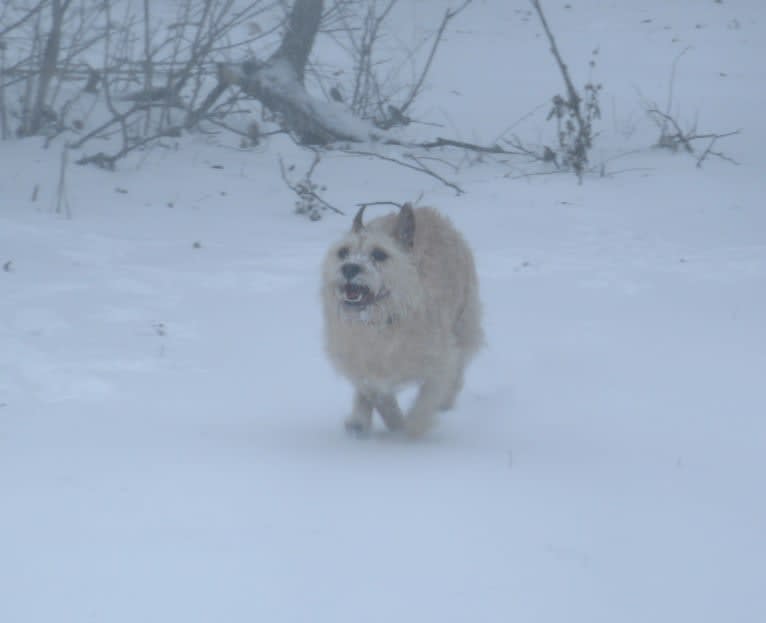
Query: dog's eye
x=342 y=253
x=379 y=255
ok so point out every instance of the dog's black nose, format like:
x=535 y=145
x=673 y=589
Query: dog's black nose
x=350 y=270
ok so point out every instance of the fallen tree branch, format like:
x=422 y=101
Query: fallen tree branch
x=278 y=82
x=276 y=85
x=447 y=142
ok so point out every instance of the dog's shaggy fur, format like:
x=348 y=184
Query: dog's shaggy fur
x=401 y=306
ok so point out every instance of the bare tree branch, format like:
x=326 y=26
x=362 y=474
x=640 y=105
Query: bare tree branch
x=415 y=167
x=448 y=15
x=108 y=161
x=28 y=14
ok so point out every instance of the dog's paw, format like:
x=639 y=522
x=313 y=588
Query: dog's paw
x=394 y=422
x=417 y=427
x=447 y=405
x=357 y=427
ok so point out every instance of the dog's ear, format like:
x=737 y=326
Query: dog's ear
x=404 y=231
x=358 y=226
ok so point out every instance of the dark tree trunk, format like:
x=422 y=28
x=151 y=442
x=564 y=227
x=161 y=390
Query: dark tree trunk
x=47 y=69
x=302 y=27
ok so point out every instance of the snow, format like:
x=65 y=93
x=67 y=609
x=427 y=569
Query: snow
x=171 y=446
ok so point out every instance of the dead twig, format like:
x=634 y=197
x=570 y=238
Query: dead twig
x=709 y=150
x=672 y=81
x=26 y=16
x=448 y=15
x=415 y=167
x=305 y=189
x=107 y=161
x=679 y=138
x=675 y=140
x=4 y=134
x=534 y=174
x=547 y=155
x=389 y=203
x=379 y=203
x=62 y=201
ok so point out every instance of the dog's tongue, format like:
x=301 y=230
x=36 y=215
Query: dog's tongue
x=353 y=293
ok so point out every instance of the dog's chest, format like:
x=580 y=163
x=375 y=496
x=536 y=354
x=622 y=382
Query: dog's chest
x=382 y=356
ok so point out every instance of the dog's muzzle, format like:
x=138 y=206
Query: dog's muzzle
x=359 y=296
x=356 y=294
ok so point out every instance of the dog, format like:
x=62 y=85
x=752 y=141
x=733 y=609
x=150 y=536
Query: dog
x=401 y=306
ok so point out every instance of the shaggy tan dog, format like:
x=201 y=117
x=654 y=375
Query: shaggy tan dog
x=401 y=306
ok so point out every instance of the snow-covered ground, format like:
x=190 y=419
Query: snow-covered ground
x=171 y=445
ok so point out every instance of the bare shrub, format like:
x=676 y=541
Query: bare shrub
x=673 y=137
x=574 y=115
x=41 y=48
x=308 y=201
x=156 y=91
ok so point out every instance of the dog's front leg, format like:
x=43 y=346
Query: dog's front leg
x=422 y=416
x=389 y=411
x=360 y=420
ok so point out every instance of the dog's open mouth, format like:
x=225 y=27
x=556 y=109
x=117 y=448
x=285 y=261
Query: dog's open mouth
x=356 y=294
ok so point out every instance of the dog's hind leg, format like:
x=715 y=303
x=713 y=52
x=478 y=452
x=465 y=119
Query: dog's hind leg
x=360 y=420
x=422 y=416
x=454 y=387
x=452 y=375
x=390 y=412
x=468 y=339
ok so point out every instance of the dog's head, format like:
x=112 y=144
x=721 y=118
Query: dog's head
x=371 y=272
